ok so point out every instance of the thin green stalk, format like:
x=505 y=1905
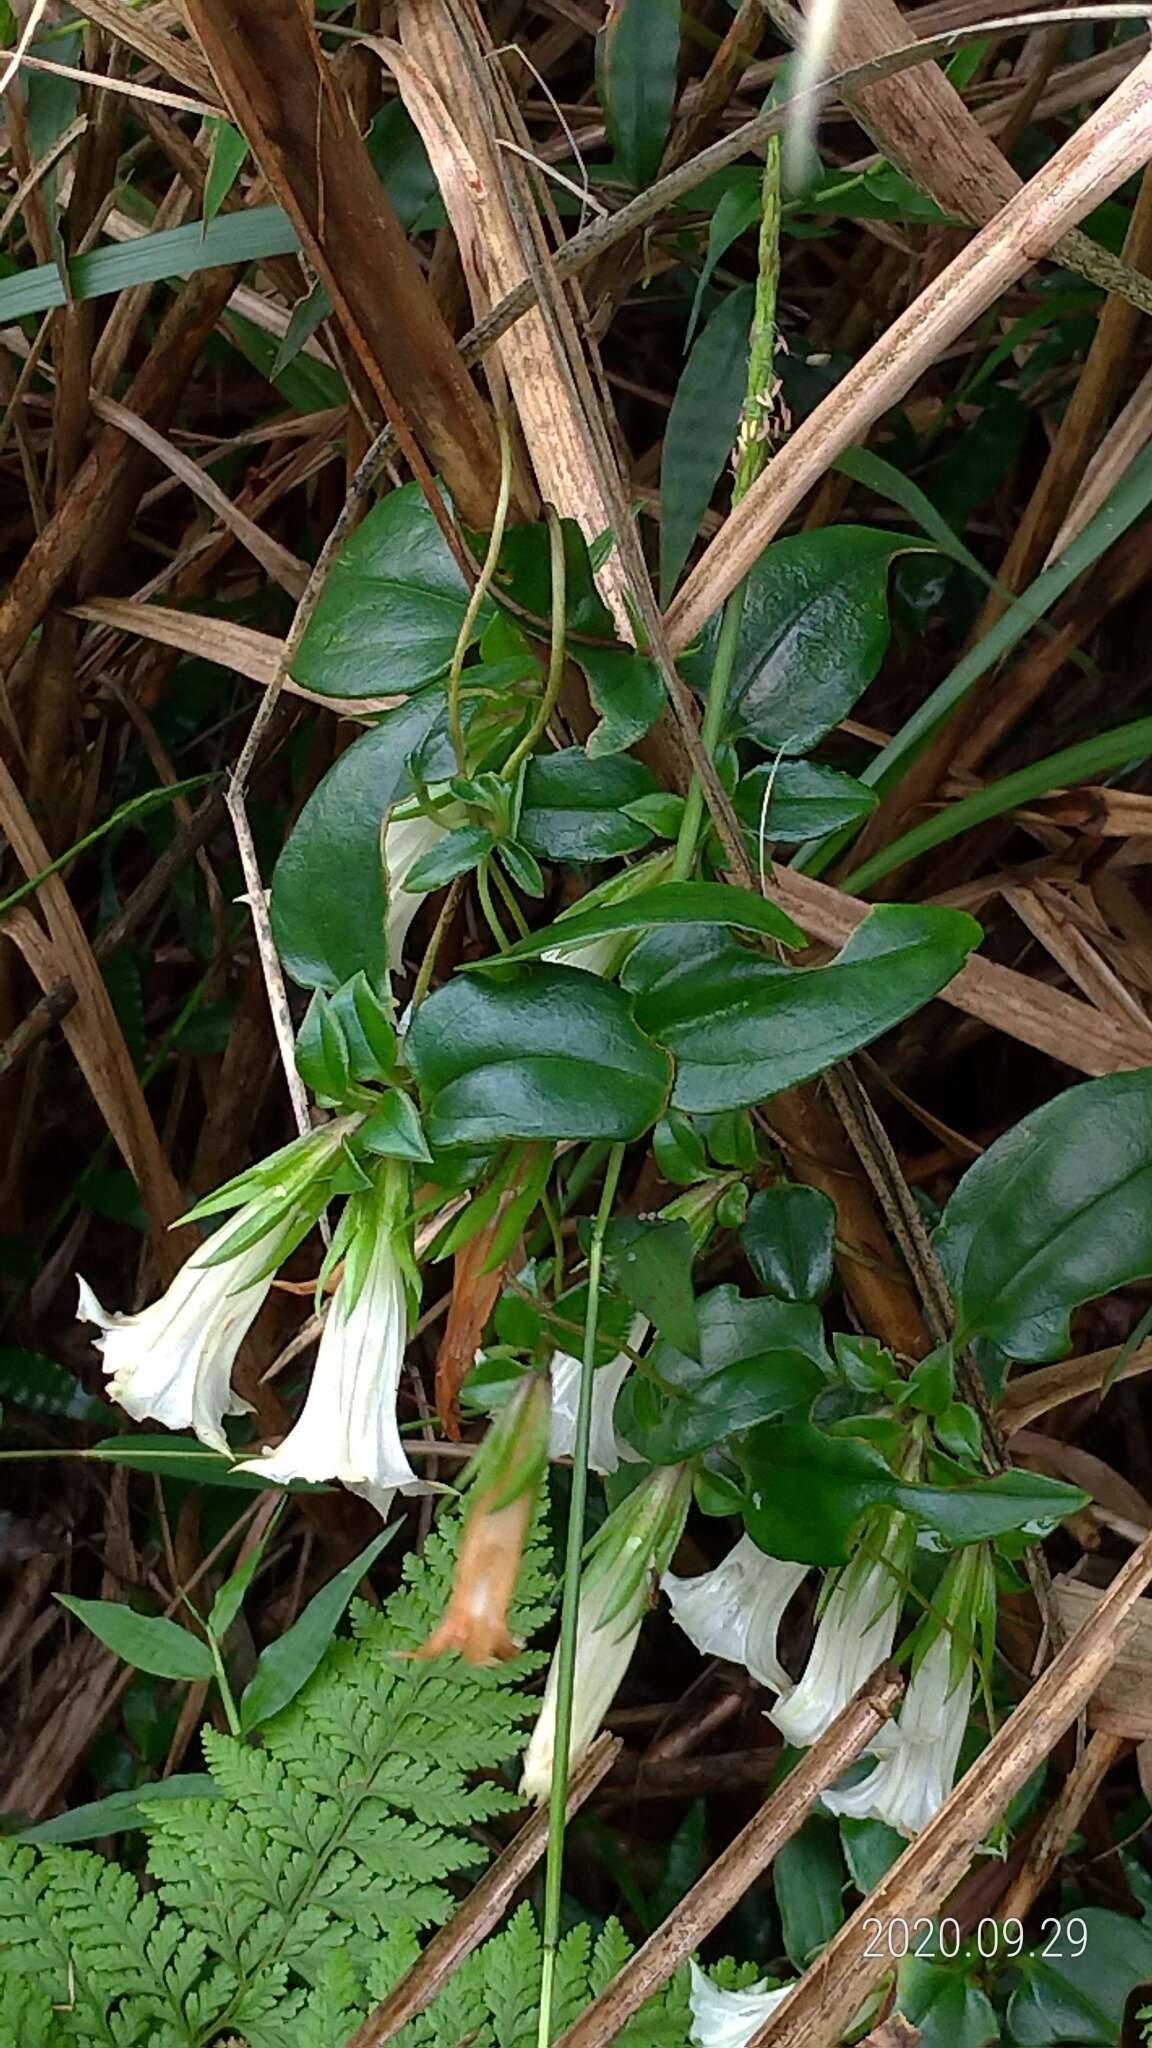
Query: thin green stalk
x=751 y=454
x=229 y=1703
x=559 y=574
x=428 y=963
x=566 y=1652
x=484 y=891
x=510 y=903
x=479 y=593
x=727 y=648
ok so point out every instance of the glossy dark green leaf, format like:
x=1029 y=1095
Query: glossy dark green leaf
x=1057 y=1211
x=322 y=1051
x=809 y=1877
x=626 y=691
x=573 y=808
x=679 y=1149
x=636 y=59
x=758 y=1358
x=288 y=1663
x=701 y=429
x=651 y=1264
x=789 y=1238
x=1078 y=1982
x=119 y=1810
x=147 y=1641
x=326 y=931
x=666 y=903
x=456 y=854
x=366 y=1021
x=784 y=802
x=809 y=1489
x=742 y=1028
x=813 y=634
x=946 y=2007
x=392 y=607
x=393 y=1131
x=543 y=1052
x=39 y=1386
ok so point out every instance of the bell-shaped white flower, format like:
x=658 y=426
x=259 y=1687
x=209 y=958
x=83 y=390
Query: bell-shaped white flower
x=636 y=1541
x=729 y=2019
x=406 y=841
x=172 y=1363
x=854 y=1634
x=348 y=1428
x=605 y=1448
x=735 y=1611
x=917 y=1764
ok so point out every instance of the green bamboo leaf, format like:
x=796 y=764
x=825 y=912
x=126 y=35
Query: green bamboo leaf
x=118 y=1811
x=1126 y=746
x=229 y=149
x=246 y=237
x=636 y=59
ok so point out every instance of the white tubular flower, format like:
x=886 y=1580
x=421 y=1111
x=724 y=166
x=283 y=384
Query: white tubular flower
x=854 y=1634
x=406 y=841
x=637 y=1540
x=172 y=1363
x=735 y=1611
x=605 y=1448
x=348 y=1428
x=916 y=1771
x=728 y=2019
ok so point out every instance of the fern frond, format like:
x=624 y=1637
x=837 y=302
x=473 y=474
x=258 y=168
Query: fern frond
x=493 y=1998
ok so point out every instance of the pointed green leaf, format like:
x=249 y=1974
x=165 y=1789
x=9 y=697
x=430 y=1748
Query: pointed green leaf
x=147 y=1641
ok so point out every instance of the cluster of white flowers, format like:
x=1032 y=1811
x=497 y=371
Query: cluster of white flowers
x=736 y=1610
x=173 y=1361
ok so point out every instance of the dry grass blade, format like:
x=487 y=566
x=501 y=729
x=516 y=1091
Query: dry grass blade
x=267 y=59
x=1037 y=1393
x=1070 y=1030
x=93 y=1030
x=283 y=567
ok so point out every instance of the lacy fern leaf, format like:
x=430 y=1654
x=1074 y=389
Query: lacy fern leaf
x=330 y=1849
